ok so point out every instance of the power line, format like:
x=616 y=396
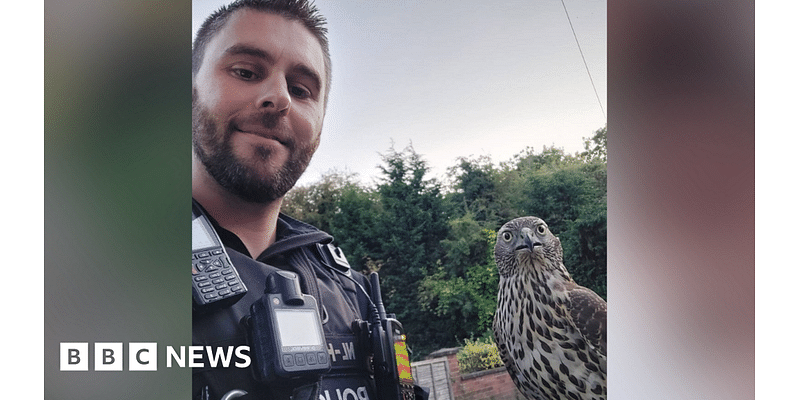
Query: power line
x=584 y=60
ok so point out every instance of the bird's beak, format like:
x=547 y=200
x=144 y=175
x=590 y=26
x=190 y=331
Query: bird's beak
x=527 y=240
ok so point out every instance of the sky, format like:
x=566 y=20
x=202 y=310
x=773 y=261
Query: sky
x=456 y=79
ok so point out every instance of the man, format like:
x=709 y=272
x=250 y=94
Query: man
x=260 y=81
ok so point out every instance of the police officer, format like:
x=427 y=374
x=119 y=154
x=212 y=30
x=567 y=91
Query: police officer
x=260 y=81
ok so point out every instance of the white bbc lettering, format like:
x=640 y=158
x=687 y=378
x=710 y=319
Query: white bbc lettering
x=195 y=355
x=220 y=354
x=217 y=356
x=108 y=356
x=142 y=356
x=178 y=357
x=74 y=356
x=242 y=353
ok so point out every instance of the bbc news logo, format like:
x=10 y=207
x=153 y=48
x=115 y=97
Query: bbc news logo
x=143 y=356
x=109 y=356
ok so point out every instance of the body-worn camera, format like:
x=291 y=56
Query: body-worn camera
x=286 y=332
x=215 y=282
x=288 y=343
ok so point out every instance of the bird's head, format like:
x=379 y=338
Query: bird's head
x=527 y=242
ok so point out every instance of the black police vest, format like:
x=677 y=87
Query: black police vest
x=340 y=303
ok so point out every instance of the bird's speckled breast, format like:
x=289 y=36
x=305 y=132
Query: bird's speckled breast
x=545 y=354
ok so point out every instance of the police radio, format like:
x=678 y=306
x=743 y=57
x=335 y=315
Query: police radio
x=215 y=282
x=391 y=364
x=286 y=334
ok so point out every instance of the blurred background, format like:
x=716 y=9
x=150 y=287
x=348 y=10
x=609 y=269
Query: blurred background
x=117 y=120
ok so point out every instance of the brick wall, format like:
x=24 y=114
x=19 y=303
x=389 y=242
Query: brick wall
x=492 y=384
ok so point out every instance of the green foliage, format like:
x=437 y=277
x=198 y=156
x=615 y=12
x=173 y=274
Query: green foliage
x=572 y=200
x=475 y=191
x=596 y=147
x=356 y=229
x=411 y=224
x=478 y=355
x=464 y=299
x=433 y=243
x=318 y=204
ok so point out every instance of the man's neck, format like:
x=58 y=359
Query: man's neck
x=255 y=224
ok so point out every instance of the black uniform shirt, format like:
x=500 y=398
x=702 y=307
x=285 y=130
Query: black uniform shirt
x=299 y=248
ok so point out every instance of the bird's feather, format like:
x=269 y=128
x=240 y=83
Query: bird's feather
x=588 y=313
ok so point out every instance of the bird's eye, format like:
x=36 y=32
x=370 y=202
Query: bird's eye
x=507 y=236
x=541 y=229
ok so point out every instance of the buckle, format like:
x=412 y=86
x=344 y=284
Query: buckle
x=334 y=257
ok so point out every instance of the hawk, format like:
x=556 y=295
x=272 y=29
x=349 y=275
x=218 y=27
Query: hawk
x=551 y=332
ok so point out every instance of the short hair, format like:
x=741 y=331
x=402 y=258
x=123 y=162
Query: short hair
x=303 y=11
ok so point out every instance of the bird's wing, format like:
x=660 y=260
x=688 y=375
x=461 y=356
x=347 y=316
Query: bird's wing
x=588 y=313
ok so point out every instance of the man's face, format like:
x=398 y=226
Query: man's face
x=258 y=104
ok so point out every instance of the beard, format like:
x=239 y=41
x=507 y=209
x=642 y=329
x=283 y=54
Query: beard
x=211 y=144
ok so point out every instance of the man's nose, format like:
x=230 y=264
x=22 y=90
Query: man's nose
x=275 y=95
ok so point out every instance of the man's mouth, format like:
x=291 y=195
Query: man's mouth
x=261 y=132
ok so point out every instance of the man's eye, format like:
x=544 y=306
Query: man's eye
x=299 y=92
x=245 y=74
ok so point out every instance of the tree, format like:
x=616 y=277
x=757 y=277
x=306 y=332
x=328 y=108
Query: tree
x=596 y=147
x=572 y=200
x=476 y=191
x=462 y=305
x=319 y=203
x=356 y=227
x=411 y=224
